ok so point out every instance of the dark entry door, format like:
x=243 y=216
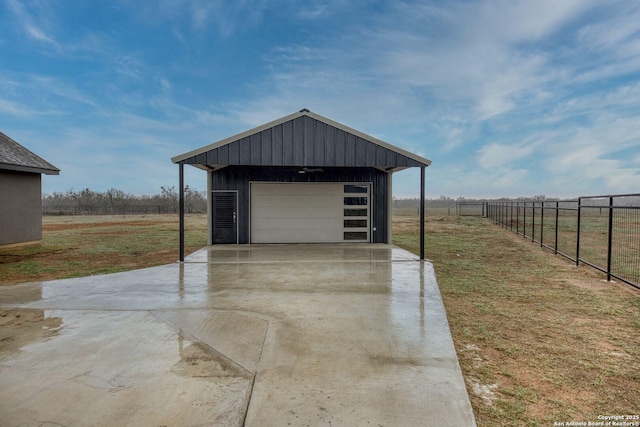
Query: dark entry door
x=225 y=217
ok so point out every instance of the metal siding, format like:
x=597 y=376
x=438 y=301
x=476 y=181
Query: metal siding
x=339 y=145
x=413 y=163
x=234 y=154
x=350 y=150
x=255 y=149
x=245 y=151
x=223 y=155
x=212 y=157
x=361 y=148
x=303 y=141
x=381 y=156
x=370 y=155
x=287 y=143
x=319 y=137
x=298 y=141
x=238 y=178
x=266 y=147
x=329 y=146
x=392 y=157
x=309 y=142
x=276 y=146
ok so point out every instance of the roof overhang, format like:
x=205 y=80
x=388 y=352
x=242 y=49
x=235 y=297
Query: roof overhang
x=29 y=169
x=202 y=158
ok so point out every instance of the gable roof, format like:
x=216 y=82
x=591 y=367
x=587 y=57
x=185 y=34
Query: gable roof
x=302 y=139
x=14 y=156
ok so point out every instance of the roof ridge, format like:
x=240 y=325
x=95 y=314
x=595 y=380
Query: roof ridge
x=284 y=119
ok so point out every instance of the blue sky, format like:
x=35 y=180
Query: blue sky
x=507 y=98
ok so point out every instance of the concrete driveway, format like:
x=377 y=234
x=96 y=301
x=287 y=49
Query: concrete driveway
x=256 y=335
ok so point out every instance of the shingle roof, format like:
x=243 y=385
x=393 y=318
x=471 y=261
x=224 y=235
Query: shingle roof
x=14 y=156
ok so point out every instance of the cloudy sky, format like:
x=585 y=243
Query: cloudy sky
x=507 y=98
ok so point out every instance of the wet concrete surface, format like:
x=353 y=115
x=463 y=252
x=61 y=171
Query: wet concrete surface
x=259 y=335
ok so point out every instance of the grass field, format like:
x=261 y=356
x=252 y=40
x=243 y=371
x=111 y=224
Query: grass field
x=539 y=340
x=74 y=246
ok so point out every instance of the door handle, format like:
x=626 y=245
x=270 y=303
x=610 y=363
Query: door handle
x=234 y=217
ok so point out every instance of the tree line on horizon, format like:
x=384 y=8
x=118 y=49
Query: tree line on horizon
x=114 y=201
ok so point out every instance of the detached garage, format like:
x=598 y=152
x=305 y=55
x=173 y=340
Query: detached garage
x=300 y=179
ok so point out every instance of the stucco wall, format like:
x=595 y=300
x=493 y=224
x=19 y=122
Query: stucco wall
x=20 y=207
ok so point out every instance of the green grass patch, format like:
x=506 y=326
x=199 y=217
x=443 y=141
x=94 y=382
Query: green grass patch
x=87 y=245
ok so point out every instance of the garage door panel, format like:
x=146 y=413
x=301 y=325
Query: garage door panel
x=310 y=212
x=300 y=212
x=298 y=236
x=299 y=224
x=297 y=200
x=296 y=189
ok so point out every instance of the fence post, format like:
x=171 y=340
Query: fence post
x=610 y=238
x=511 y=216
x=555 y=246
x=541 y=224
x=524 y=220
x=533 y=221
x=578 y=232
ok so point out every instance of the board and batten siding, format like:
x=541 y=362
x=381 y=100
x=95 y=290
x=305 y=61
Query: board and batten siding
x=239 y=177
x=303 y=141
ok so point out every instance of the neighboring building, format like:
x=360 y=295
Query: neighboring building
x=300 y=179
x=21 y=193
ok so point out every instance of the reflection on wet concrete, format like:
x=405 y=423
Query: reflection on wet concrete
x=19 y=327
x=260 y=335
x=119 y=368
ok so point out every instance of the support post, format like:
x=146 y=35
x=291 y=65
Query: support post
x=422 y=213
x=181 y=191
x=610 y=239
x=555 y=245
x=578 y=232
x=541 y=224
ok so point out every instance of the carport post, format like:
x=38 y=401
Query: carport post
x=181 y=168
x=422 y=213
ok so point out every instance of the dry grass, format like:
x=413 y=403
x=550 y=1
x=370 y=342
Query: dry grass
x=539 y=340
x=74 y=246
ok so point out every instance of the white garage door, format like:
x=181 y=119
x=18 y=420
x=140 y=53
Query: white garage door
x=309 y=212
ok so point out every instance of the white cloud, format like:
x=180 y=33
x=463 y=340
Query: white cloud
x=17 y=109
x=33 y=21
x=494 y=155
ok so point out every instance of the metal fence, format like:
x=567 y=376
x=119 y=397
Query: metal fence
x=600 y=231
x=471 y=208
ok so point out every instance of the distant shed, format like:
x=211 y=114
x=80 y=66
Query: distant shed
x=21 y=193
x=302 y=178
